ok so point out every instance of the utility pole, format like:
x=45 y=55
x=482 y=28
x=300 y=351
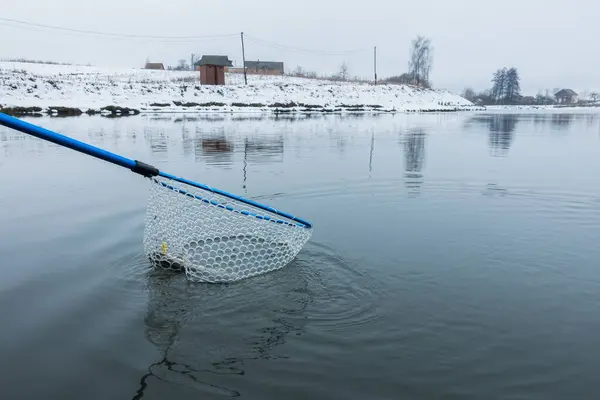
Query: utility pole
x=192 y=63
x=244 y=60
x=375 y=63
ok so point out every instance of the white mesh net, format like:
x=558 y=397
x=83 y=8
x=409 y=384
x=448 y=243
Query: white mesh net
x=213 y=238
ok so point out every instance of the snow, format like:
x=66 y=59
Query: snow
x=86 y=87
x=542 y=109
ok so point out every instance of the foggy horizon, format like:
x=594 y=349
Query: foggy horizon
x=470 y=40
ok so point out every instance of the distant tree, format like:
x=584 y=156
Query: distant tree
x=421 y=58
x=484 y=98
x=544 y=99
x=585 y=95
x=469 y=94
x=594 y=96
x=182 y=66
x=512 y=86
x=499 y=85
x=506 y=88
x=527 y=100
x=343 y=71
x=299 y=71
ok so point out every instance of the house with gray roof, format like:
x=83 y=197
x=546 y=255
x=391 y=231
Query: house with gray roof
x=566 y=96
x=264 y=67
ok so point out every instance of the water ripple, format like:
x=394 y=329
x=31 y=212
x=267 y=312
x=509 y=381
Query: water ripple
x=344 y=296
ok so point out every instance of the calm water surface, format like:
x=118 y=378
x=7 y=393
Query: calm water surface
x=453 y=256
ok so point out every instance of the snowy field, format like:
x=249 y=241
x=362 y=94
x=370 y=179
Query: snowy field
x=92 y=88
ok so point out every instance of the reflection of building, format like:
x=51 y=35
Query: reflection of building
x=215 y=149
x=263 y=149
x=264 y=67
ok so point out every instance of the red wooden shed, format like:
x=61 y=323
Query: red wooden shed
x=212 y=69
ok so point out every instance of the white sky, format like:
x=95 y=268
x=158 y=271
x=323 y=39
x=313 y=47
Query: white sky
x=553 y=43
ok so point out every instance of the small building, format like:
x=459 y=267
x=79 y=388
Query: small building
x=212 y=69
x=154 y=66
x=264 y=67
x=527 y=100
x=566 y=96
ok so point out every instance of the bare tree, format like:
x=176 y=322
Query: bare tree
x=469 y=94
x=512 y=86
x=594 y=96
x=344 y=71
x=421 y=58
x=499 y=81
x=182 y=66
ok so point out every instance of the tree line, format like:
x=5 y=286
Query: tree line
x=505 y=90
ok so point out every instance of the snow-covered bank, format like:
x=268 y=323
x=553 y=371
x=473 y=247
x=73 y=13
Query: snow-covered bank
x=554 y=109
x=86 y=88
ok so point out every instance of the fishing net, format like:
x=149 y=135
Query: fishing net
x=214 y=238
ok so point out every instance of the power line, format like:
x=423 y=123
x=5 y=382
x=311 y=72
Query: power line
x=116 y=35
x=285 y=47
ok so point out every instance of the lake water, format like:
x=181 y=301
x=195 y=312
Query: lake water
x=453 y=256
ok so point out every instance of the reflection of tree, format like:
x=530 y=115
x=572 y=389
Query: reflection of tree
x=501 y=129
x=562 y=120
x=203 y=333
x=501 y=132
x=414 y=158
x=539 y=119
x=591 y=119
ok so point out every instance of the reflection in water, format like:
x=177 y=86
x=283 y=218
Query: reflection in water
x=371 y=152
x=181 y=314
x=157 y=139
x=261 y=149
x=187 y=143
x=414 y=159
x=562 y=120
x=502 y=129
x=214 y=148
x=264 y=149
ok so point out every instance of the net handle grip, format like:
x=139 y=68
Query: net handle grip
x=136 y=166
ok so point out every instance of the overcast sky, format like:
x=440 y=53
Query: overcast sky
x=553 y=43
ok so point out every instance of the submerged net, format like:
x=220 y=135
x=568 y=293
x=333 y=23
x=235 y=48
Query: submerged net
x=213 y=238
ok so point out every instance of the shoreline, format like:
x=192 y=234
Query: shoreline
x=114 y=111
x=238 y=108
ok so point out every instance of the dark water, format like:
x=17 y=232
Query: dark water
x=453 y=256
